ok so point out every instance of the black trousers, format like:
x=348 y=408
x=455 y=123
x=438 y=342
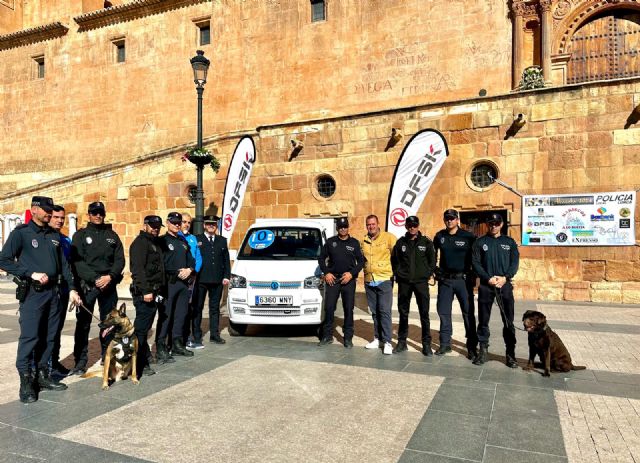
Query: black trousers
x=39 y=320
x=64 y=303
x=486 y=296
x=214 y=290
x=172 y=313
x=348 y=294
x=447 y=289
x=421 y=292
x=145 y=313
x=107 y=300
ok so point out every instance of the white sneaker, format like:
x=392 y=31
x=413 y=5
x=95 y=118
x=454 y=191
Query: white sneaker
x=375 y=344
x=387 y=350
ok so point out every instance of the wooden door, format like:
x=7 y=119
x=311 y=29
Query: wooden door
x=605 y=48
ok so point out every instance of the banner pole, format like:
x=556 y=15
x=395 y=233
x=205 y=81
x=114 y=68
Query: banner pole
x=501 y=183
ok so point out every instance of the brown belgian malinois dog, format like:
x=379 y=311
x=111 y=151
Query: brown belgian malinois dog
x=122 y=348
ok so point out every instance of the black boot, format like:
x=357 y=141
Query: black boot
x=510 y=360
x=27 y=394
x=426 y=350
x=162 y=353
x=483 y=355
x=400 y=347
x=46 y=382
x=179 y=349
x=472 y=352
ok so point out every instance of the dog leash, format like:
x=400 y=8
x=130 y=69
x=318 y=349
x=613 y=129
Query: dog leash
x=75 y=306
x=500 y=302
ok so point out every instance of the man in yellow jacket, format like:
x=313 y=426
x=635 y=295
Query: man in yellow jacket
x=378 y=282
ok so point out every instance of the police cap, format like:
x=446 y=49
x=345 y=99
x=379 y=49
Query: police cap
x=451 y=214
x=96 y=207
x=342 y=222
x=495 y=218
x=175 y=218
x=153 y=221
x=211 y=219
x=412 y=221
x=43 y=202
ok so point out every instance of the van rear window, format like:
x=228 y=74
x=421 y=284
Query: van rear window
x=281 y=243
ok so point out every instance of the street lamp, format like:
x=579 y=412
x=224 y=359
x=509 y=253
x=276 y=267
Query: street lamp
x=200 y=66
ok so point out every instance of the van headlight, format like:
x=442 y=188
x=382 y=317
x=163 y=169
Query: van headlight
x=313 y=282
x=237 y=281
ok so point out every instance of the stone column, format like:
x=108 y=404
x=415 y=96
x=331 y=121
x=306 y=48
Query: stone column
x=518 y=40
x=545 y=6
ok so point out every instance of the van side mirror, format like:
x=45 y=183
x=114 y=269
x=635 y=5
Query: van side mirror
x=233 y=254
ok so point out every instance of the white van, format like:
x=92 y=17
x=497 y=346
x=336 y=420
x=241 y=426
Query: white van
x=275 y=279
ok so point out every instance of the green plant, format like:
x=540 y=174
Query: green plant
x=201 y=156
x=531 y=78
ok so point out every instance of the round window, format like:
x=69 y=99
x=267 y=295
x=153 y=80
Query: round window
x=483 y=174
x=326 y=186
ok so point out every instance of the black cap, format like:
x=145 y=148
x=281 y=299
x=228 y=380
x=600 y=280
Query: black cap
x=97 y=206
x=153 y=221
x=43 y=202
x=211 y=218
x=175 y=218
x=342 y=222
x=411 y=221
x=495 y=218
x=451 y=214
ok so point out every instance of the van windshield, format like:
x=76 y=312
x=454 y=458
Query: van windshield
x=281 y=243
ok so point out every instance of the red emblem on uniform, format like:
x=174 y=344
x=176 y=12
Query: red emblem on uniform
x=398 y=216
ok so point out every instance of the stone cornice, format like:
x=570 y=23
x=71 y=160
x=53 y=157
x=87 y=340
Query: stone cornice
x=128 y=12
x=32 y=35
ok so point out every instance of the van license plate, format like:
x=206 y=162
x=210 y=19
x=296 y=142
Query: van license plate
x=274 y=300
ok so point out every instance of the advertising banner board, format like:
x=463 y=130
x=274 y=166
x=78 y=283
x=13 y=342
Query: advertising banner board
x=585 y=219
x=238 y=177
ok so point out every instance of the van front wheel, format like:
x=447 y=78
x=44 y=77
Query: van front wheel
x=237 y=329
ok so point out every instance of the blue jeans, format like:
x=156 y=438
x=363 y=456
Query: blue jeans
x=380 y=299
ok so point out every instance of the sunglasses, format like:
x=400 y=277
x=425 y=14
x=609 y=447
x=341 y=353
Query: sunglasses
x=101 y=214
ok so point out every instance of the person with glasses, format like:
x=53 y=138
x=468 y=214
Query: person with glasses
x=495 y=259
x=341 y=261
x=213 y=277
x=97 y=257
x=455 y=278
x=413 y=261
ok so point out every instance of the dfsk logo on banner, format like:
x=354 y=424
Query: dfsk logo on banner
x=238 y=177
x=416 y=170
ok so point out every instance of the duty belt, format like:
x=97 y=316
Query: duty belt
x=453 y=276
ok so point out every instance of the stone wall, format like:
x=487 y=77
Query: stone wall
x=574 y=141
x=270 y=63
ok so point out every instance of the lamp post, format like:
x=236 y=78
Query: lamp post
x=200 y=66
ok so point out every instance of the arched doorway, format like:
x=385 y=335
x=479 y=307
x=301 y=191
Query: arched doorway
x=607 y=47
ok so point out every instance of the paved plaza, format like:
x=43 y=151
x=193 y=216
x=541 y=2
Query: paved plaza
x=274 y=396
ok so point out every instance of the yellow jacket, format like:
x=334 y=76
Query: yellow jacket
x=377 y=256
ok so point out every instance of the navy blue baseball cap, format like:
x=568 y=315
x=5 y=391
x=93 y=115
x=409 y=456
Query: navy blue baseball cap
x=451 y=214
x=43 y=202
x=97 y=206
x=495 y=218
x=153 y=221
x=342 y=222
x=175 y=218
x=412 y=221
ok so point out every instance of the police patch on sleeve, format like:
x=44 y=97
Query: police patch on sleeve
x=34 y=243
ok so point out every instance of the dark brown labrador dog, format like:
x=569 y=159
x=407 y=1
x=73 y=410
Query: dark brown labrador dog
x=544 y=342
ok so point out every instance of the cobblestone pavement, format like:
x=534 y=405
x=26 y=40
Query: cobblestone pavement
x=273 y=395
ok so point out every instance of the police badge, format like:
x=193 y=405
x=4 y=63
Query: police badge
x=34 y=243
x=89 y=240
x=170 y=246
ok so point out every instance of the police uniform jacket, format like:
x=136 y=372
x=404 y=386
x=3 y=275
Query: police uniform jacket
x=339 y=256
x=34 y=249
x=176 y=254
x=413 y=261
x=97 y=251
x=216 y=265
x=454 y=250
x=377 y=256
x=495 y=257
x=146 y=263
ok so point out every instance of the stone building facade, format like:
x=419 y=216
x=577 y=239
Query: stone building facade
x=94 y=127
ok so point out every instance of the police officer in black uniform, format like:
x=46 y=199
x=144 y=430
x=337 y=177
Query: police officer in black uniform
x=413 y=261
x=179 y=266
x=213 y=277
x=495 y=260
x=148 y=285
x=34 y=256
x=341 y=260
x=97 y=257
x=453 y=246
